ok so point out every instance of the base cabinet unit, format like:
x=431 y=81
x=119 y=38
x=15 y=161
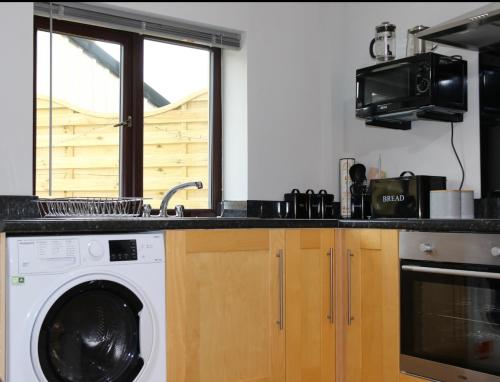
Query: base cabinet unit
x=368 y=307
x=225 y=306
x=250 y=305
x=278 y=305
x=309 y=303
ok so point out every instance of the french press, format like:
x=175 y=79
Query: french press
x=383 y=46
x=414 y=45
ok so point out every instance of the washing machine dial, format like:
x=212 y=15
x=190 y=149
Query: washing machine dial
x=96 y=250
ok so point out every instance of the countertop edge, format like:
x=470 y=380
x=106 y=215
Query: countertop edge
x=76 y=226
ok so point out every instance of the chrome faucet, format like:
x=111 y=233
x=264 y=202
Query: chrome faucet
x=168 y=195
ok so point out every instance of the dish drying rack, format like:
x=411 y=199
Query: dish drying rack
x=90 y=207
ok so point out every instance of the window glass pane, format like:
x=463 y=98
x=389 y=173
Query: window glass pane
x=86 y=90
x=176 y=122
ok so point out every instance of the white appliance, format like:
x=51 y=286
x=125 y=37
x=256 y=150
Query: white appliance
x=86 y=308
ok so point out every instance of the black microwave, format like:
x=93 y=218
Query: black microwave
x=428 y=81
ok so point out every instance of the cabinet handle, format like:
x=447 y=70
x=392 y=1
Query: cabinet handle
x=279 y=255
x=330 y=312
x=350 y=318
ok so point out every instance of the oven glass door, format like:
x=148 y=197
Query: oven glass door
x=450 y=314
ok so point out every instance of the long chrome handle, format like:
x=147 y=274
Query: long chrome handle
x=330 y=311
x=280 y=322
x=452 y=272
x=349 y=288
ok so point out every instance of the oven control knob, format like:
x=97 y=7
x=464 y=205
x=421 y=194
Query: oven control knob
x=426 y=248
x=95 y=250
x=495 y=251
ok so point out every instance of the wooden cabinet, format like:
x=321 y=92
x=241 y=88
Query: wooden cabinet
x=223 y=304
x=310 y=299
x=250 y=305
x=295 y=305
x=368 y=286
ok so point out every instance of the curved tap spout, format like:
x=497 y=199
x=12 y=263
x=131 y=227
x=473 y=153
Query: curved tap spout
x=168 y=195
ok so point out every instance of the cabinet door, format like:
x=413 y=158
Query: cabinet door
x=370 y=305
x=310 y=337
x=223 y=304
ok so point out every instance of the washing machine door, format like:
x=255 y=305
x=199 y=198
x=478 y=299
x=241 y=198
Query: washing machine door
x=91 y=333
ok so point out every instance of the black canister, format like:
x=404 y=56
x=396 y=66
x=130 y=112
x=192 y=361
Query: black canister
x=313 y=205
x=298 y=204
x=326 y=205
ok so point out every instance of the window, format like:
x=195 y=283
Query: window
x=131 y=115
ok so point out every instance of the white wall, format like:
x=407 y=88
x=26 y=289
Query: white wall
x=425 y=149
x=288 y=95
x=290 y=101
x=278 y=100
x=16 y=98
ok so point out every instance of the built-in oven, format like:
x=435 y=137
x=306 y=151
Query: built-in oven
x=450 y=306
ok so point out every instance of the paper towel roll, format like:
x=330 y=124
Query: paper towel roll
x=467 y=204
x=445 y=204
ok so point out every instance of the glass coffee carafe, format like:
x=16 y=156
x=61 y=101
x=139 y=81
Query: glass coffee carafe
x=383 y=46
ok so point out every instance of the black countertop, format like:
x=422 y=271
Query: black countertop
x=428 y=225
x=101 y=225
x=81 y=225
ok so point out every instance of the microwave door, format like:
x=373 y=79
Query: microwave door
x=388 y=84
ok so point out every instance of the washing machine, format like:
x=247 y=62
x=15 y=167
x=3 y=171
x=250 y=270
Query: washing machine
x=86 y=308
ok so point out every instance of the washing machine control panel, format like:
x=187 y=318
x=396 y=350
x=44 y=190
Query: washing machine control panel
x=121 y=249
x=61 y=254
x=47 y=255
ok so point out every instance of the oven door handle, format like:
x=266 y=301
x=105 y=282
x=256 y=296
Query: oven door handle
x=452 y=272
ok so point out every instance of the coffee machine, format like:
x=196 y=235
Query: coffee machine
x=360 y=198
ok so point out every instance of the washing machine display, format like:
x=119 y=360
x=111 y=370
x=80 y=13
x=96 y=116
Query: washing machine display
x=122 y=250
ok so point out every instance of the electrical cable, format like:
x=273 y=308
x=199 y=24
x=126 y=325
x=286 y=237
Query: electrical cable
x=458 y=158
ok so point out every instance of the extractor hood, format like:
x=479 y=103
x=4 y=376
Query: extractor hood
x=476 y=30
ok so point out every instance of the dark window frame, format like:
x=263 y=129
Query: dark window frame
x=132 y=143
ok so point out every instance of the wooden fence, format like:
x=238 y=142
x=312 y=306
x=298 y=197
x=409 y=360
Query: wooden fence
x=85 y=150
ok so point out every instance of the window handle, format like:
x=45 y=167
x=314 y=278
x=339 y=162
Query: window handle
x=127 y=123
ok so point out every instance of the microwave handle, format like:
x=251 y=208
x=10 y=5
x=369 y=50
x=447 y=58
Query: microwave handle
x=452 y=272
